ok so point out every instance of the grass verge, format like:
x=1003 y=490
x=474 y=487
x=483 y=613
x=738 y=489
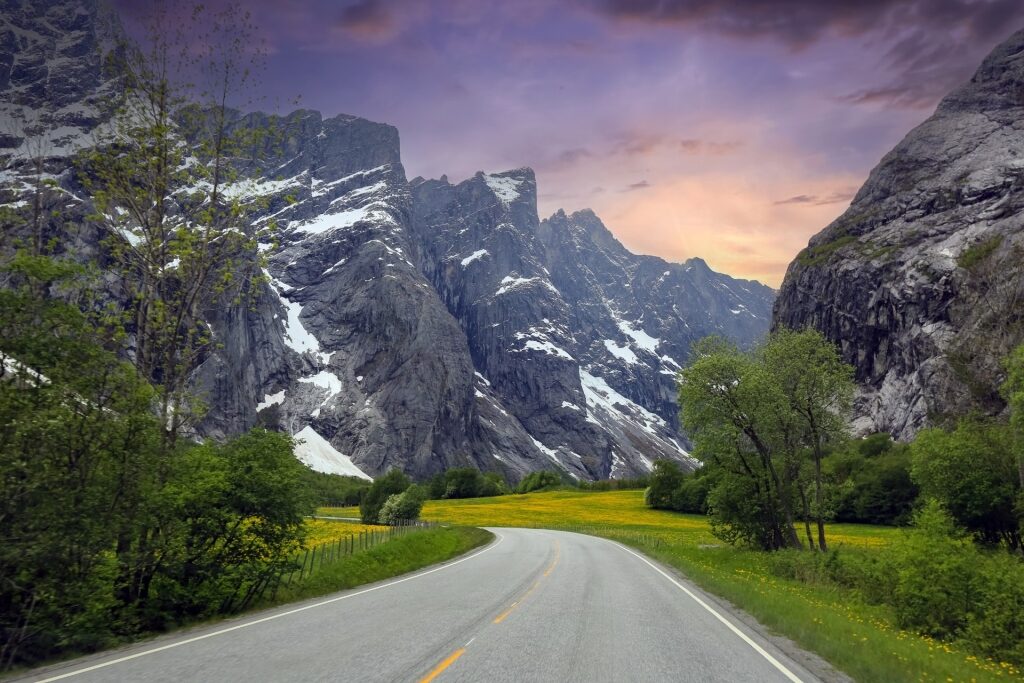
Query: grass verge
x=858 y=638
x=397 y=556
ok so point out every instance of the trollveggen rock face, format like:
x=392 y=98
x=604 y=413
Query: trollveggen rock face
x=411 y=324
x=921 y=281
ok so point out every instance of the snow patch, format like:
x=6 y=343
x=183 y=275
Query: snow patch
x=479 y=253
x=505 y=188
x=546 y=347
x=508 y=283
x=270 y=400
x=318 y=453
x=640 y=338
x=621 y=352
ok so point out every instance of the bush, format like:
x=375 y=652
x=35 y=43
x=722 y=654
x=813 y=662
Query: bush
x=871 y=482
x=692 y=494
x=996 y=626
x=972 y=471
x=400 y=507
x=382 y=488
x=664 y=481
x=936 y=579
x=539 y=481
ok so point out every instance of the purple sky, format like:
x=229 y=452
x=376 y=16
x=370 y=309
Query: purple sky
x=727 y=129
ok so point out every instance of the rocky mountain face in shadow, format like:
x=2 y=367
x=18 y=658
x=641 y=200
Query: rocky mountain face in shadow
x=412 y=324
x=921 y=281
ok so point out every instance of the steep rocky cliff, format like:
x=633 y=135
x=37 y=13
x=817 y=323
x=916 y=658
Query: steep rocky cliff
x=921 y=280
x=419 y=325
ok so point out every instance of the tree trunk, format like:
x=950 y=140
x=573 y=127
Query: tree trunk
x=819 y=498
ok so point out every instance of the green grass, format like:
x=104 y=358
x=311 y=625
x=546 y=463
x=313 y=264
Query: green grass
x=820 y=253
x=856 y=637
x=398 y=556
x=977 y=253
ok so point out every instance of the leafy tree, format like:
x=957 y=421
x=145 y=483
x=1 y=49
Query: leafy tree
x=400 y=507
x=164 y=182
x=77 y=448
x=730 y=408
x=692 y=495
x=666 y=478
x=972 y=472
x=936 y=583
x=758 y=416
x=394 y=481
x=870 y=482
x=1013 y=390
x=539 y=481
x=463 y=482
x=818 y=388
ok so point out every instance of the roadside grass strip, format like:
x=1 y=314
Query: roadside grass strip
x=837 y=623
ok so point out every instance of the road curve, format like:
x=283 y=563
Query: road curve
x=534 y=605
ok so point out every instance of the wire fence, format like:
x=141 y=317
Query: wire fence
x=318 y=556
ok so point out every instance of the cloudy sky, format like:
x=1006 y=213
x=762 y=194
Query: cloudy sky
x=732 y=130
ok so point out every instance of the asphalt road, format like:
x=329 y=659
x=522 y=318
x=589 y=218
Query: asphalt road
x=534 y=605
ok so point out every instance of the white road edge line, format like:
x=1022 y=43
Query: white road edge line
x=774 y=662
x=247 y=624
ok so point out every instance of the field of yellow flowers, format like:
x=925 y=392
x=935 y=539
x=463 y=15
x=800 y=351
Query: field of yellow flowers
x=858 y=638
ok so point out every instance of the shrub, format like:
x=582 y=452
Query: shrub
x=539 y=481
x=936 y=581
x=973 y=473
x=996 y=627
x=383 y=487
x=664 y=480
x=403 y=506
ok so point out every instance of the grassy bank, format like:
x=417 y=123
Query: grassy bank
x=398 y=556
x=856 y=637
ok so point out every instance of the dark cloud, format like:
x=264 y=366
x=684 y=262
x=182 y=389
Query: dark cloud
x=636 y=186
x=571 y=156
x=926 y=47
x=368 y=19
x=818 y=200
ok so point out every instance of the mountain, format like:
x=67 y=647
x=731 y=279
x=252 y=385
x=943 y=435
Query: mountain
x=921 y=280
x=412 y=324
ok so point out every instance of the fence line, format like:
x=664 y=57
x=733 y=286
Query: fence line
x=329 y=552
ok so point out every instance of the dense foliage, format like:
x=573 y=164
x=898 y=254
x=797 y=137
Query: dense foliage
x=401 y=507
x=390 y=483
x=466 y=482
x=334 y=489
x=85 y=472
x=539 y=481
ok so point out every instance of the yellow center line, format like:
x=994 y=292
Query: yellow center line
x=443 y=665
x=551 y=567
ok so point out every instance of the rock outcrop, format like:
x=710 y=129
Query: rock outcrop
x=921 y=280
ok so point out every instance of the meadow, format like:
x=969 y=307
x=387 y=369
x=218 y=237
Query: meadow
x=856 y=637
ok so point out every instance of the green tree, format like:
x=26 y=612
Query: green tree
x=666 y=478
x=539 y=481
x=731 y=407
x=1013 y=391
x=936 y=581
x=400 y=507
x=758 y=416
x=818 y=388
x=165 y=182
x=392 y=482
x=78 y=444
x=972 y=472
